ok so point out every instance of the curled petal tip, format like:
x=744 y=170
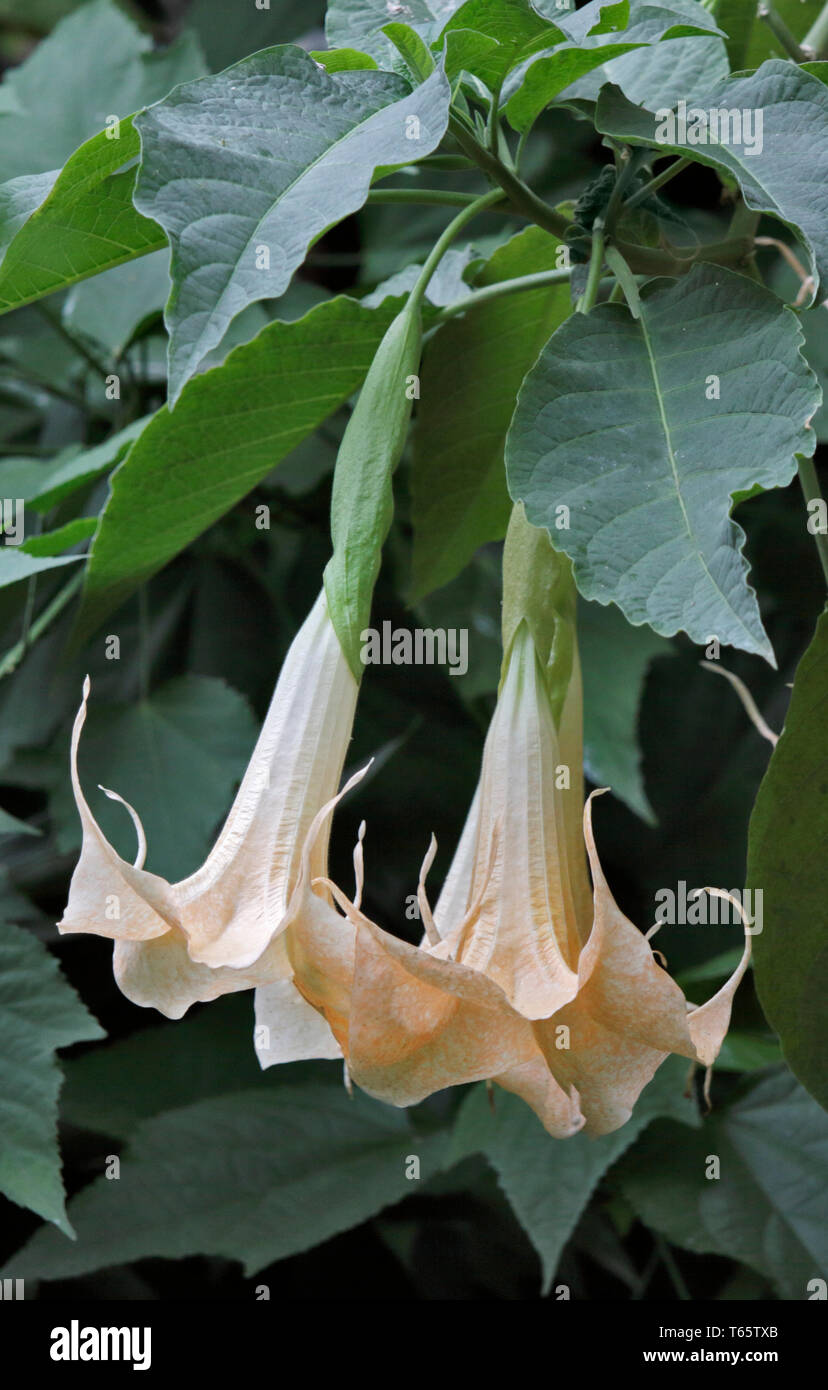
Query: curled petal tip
x=87 y=686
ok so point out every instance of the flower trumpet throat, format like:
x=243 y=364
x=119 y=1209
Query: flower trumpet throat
x=524 y=975
x=222 y=929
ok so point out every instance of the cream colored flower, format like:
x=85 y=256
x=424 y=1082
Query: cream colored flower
x=220 y=929
x=523 y=976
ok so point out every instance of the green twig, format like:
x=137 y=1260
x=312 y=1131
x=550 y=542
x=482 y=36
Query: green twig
x=813 y=493
x=481 y=204
x=15 y=654
x=540 y=280
x=596 y=261
x=781 y=32
x=520 y=194
x=815 y=42
x=658 y=182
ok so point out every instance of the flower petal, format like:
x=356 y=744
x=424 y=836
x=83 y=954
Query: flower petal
x=295 y=1031
x=231 y=906
x=160 y=974
x=108 y=896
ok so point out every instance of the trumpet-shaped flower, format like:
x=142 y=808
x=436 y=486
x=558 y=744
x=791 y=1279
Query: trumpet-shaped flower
x=524 y=975
x=219 y=930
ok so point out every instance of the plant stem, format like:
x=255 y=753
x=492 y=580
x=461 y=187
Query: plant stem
x=781 y=32
x=596 y=261
x=438 y=250
x=520 y=194
x=815 y=42
x=813 y=493
x=15 y=654
x=539 y=280
x=676 y=1278
x=658 y=182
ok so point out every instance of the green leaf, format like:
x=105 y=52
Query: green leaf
x=210 y=1052
x=615 y=657
x=64 y=92
x=788 y=825
x=598 y=51
x=10 y=825
x=648 y=472
x=550 y=74
x=231 y=426
x=412 y=50
x=80 y=469
x=750 y=40
x=268 y=1174
x=55 y=542
x=16 y=564
x=278 y=131
x=359 y=24
x=176 y=756
x=784 y=173
x=659 y=75
x=550 y=1181
x=766 y=1207
x=109 y=308
x=488 y=38
x=471 y=372
x=39 y=1012
x=60 y=230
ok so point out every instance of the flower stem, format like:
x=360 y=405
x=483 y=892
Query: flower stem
x=596 y=261
x=781 y=32
x=658 y=182
x=520 y=194
x=539 y=280
x=438 y=250
x=815 y=42
x=811 y=489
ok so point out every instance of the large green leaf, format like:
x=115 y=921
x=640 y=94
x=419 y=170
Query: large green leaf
x=767 y=1206
x=785 y=172
x=110 y=307
x=231 y=426
x=471 y=372
x=602 y=51
x=788 y=832
x=39 y=1012
x=614 y=422
x=176 y=757
x=268 y=1174
x=112 y=1089
x=245 y=170
x=60 y=230
x=658 y=75
x=94 y=65
x=359 y=23
x=615 y=658
x=550 y=1181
